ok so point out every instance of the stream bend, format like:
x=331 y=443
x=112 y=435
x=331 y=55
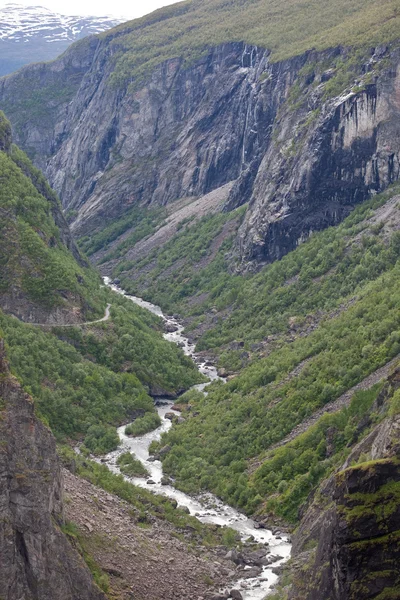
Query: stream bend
x=206 y=507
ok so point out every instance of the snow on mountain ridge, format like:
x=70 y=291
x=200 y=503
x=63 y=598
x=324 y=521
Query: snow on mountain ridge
x=22 y=23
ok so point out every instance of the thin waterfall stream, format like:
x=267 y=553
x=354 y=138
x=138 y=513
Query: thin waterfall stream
x=206 y=507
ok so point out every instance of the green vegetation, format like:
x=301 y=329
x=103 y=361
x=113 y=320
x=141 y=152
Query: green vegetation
x=335 y=299
x=131 y=466
x=93 y=378
x=5 y=133
x=131 y=343
x=143 y=425
x=101 y=439
x=291 y=472
x=34 y=256
x=183 y=266
x=75 y=395
x=143 y=221
x=190 y=28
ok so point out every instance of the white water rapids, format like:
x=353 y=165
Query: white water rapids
x=207 y=508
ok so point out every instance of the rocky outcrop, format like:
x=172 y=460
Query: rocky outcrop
x=36 y=560
x=347 y=544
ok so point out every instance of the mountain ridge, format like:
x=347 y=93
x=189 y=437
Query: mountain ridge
x=34 y=33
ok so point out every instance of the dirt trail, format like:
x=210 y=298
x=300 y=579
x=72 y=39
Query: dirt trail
x=105 y=318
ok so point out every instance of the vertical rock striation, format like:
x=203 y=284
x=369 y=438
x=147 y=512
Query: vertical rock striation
x=36 y=560
x=301 y=146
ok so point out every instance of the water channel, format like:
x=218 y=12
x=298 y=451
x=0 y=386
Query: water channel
x=207 y=508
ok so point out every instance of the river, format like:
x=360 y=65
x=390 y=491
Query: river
x=207 y=508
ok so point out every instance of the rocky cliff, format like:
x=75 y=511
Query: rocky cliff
x=302 y=140
x=347 y=544
x=36 y=560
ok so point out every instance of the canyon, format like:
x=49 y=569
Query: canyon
x=244 y=178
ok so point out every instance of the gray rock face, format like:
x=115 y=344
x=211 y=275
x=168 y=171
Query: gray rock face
x=346 y=545
x=36 y=559
x=311 y=179
x=300 y=156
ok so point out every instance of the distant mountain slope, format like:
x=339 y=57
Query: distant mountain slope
x=206 y=96
x=33 y=33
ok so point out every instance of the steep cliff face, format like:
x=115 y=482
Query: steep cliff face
x=36 y=560
x=347 y=545
x=303 y=140
x=185 y=133
x=326 y=156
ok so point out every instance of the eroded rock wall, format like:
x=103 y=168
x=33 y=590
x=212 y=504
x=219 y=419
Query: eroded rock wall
x=300 y=152
x=347 y=546
x=36 y=560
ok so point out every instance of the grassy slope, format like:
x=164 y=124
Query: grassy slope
x=349 y=277
x=288 y=28
x=317 y=278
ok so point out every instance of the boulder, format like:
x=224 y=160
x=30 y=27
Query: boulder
x=184 y=509
x=236 y=595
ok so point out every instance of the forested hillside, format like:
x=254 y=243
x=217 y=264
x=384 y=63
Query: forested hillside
x=294 y=338
x=88 y=378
